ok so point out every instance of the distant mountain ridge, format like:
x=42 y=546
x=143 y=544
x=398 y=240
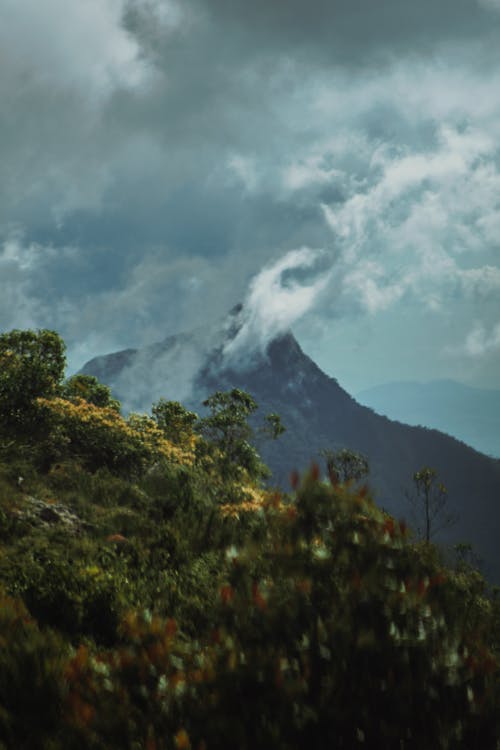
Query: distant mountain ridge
x=469 y=414
x=319 y=414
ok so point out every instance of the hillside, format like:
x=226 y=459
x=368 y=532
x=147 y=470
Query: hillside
x=154 y=595
x=319 y=414
x=469 y=414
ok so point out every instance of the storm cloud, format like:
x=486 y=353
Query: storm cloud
x=160 y=158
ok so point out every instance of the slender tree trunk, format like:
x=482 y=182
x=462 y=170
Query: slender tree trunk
x=427 y=517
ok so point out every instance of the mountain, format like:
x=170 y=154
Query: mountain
x=318 y=414
x=469 y=414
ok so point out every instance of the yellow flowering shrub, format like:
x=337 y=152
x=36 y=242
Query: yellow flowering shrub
x=100 y=436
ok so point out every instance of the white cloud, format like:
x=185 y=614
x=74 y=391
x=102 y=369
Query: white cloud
x=244 y=168
x=70 y=44
x=309 y=171
x=480 y=282
x=20 y=305
x=29 y=258
x=368 y=285
x=275 y=300
x=480 y=342
x=62 y=62
x=407 y=227
x=166 y=14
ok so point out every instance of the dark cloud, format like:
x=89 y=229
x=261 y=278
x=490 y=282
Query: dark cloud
x=149 y=173
x=347 y=31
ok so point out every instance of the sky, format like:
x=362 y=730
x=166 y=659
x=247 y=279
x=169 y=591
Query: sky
x=334 y=164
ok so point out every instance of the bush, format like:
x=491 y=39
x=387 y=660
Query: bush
x=32 y=688
x=65 y=586
x=331 y=632
x=99 y=437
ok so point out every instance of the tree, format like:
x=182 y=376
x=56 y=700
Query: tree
x=429 y=501
x=31 y=366
x=345 y=465
x=88 y=388
x=174 y=420
x=273 y=426
x=227 y=427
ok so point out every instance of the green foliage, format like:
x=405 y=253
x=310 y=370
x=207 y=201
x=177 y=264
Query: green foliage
x=66 y=585
x=88 y=388
x=174 y=420
x=345 y=465
x=31 y=366
x=98 y=437
x=227 y=428
x=227 y=424
x=330 y=632
x=273 y=426
x=178 y=605
x=32 y=688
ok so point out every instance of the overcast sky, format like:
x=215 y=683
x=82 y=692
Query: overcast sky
x=334 y=162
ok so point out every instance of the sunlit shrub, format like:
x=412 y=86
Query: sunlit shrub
x=101 y=437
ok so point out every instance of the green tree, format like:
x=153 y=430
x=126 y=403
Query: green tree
x=31 y=366
x=345 y=465
x=273 y=427
x=88 y=388
x=227 y=427
x=429 y=502
x=174 y=420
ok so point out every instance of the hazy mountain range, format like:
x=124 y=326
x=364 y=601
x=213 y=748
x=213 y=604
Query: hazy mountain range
x=469 y=414
x=318 y=414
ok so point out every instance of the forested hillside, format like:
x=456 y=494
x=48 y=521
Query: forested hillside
x=319 y=415
x=154 y=595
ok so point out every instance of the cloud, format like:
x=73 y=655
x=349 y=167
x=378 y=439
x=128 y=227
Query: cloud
x=480 y=342
x=480 y=283
x=490 y=4
x=368 y=285
x=63 y=66
x=65 y=45
x=171 y=373
x=25 y=271
x=181 y=148
x=277 y=297
x=341 y=31
x=406 y=228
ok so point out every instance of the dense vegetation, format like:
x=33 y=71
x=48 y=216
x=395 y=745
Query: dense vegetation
x=153 y=595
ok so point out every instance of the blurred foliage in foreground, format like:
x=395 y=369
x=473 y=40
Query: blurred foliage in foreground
x=153 y=595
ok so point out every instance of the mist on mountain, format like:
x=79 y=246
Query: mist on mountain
x=318 y=414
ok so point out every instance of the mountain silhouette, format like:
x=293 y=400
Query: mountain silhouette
x=470 y=414
x=318 y=414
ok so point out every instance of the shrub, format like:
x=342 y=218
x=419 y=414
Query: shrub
x=32 y=688
x=101 y=438
x=65 y=586
x=331 y=632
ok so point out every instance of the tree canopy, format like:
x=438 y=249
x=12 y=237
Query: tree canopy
x=31 y=366
x=227 y=427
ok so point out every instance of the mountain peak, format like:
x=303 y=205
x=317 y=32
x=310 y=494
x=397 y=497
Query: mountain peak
x=317 y=413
